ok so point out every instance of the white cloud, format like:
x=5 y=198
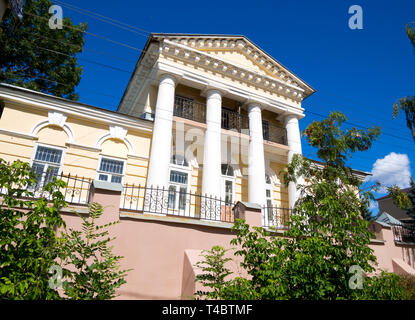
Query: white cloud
x=391 y=170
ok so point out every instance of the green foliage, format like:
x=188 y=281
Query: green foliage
x=407 y=282
x=411 y=196
x=384 y=286
x=326 y=234
x=27 y=56
x=97 y=273
x=407 y=104
x=28 y=243
x=399 y=198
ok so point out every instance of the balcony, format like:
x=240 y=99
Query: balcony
x=171 y=202
x=276 y=217
x=231 y=120
x=404 y=233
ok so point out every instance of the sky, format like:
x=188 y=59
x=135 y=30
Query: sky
x=360 y=72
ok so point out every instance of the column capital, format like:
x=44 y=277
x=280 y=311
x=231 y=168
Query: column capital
x=168 y=79
x=208 y=90
x=291 y=117
x=214 y=94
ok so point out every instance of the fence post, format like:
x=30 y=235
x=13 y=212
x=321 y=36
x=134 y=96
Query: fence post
x=109 y=196
x=251 y=212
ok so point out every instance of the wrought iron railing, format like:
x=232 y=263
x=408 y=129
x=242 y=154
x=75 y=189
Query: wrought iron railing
x=276 y=217
x=404 y=233
x=189 y=109
x=231 y=120
x=172 y=202
x=77 y=190
x=274 y=133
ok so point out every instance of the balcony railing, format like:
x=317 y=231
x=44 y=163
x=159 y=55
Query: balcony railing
x=189 y=109
x=276 y=217
x=77 y=190
x=231 y=120
x=404 y=233
x=171 y=202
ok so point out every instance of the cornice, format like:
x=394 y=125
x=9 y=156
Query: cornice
x=21 y=96
x=287 y=88
x=244 y=94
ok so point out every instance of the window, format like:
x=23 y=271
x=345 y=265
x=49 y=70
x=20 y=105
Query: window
x=227 y=170
x=179 y=160
x=46 y=163
x=228 y=180
x=178 y=190
x=268 y=197
x=265 y=129
x=111 y=170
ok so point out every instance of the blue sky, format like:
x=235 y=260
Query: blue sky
x=359 y=72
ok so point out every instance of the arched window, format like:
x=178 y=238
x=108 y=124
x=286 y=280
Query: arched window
x=179 y=160
x=227 y=170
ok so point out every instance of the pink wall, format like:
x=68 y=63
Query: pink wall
x=162 y=251
x=388 y=250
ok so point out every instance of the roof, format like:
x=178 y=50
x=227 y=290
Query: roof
x=386 y=218
x=243 y=42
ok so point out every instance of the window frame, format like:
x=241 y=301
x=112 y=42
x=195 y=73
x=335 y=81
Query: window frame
x=183 y=169
x=47 y=164
x=270 y=187
x=99 y=172
x=228 y=178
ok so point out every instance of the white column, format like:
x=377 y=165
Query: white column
x=211 y=179
x=294 y=142
x=158 y=170
x=256 y=161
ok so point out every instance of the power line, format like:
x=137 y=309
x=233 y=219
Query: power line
x=360 y=110
x=105 y=19
x=90 y=33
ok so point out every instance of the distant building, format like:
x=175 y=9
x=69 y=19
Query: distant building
x=386 y=205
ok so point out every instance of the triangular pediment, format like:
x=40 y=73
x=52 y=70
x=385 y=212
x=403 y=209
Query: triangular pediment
x=239 y=51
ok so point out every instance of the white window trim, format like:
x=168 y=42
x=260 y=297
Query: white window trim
x=188 y=171
x=32 y=159
x=229 y=178
x=108 y=173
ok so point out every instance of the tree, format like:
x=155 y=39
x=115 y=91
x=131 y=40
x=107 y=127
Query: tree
x=31 y=250
x=407 y=104
x=326 y=235
x=96 y=272
x=411 y=196
x=37 y=57
x=28 y=242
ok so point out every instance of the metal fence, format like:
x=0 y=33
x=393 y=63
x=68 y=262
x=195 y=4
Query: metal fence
x=276 y=217
x=189 y=109
x=404 y=233
x=173 y=202
x=77 y=190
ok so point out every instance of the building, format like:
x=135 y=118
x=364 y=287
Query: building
x=386 y=204
x=206 y=121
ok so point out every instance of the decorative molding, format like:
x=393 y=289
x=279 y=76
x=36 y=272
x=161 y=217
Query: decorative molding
x=18 y=134
x=271 y=80
x=83 y=147
x=116 y=132
x=32 y=99
x=55 y=119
